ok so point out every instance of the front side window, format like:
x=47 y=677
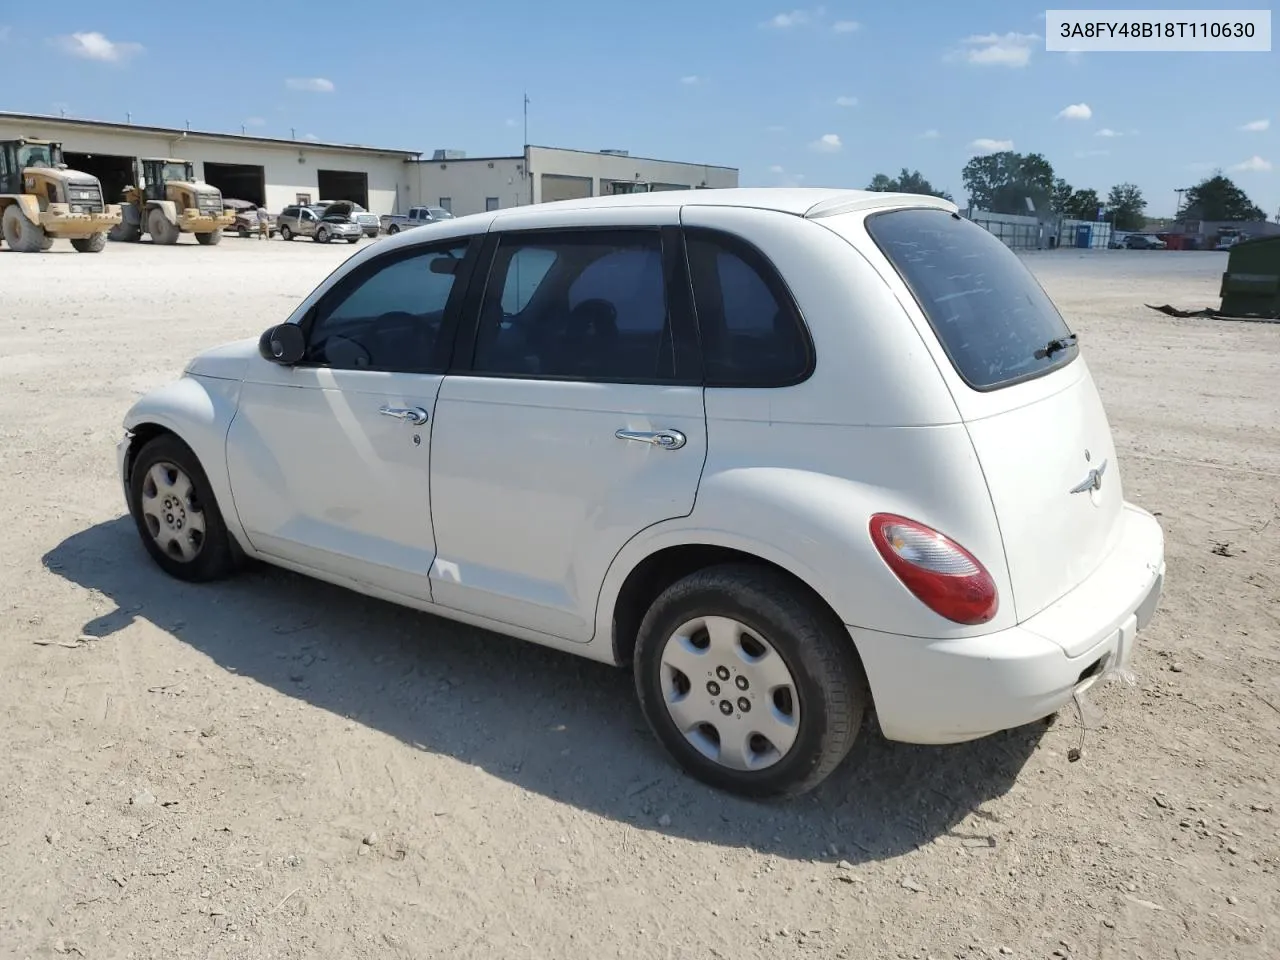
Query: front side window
x=995 y=322
x=390 y=316
x=34 y=155
x=752 y=335
x=588 y=305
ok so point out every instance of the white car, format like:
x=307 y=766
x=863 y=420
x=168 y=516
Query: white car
x=793 y=454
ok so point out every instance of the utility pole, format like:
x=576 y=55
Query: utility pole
x=526 y=118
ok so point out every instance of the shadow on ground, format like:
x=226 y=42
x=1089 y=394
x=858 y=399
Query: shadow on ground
x=548 y=722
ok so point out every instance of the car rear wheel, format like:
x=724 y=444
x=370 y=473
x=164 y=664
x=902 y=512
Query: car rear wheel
x=176 y=514
x=748 y=681
x=286 y=233
x=393 y=229
x=322 y=235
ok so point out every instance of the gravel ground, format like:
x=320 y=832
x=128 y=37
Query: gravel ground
x=273 y=767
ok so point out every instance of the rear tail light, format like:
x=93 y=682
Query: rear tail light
x=943 y=575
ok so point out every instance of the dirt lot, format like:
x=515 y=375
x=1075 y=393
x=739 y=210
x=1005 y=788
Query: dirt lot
x=273 y=767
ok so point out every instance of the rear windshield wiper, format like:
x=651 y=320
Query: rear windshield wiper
x=1056 y=345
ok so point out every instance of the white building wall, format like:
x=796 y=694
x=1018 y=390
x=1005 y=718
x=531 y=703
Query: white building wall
x=289 y=168
x=468 y=184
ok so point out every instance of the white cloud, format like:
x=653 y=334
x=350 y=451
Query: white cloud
x=310 y=84
x=1075 y=111
x=795 y=18
x=690 y=80
x=987 y=145
x=776 y=169
x=94 y=46
x=1254 y=164
x=312 y=137
x=846 y=101
x=930 y=135
x=827 y=143
x=998 y=50
x=1108 y=132
x=1256 y=126
x=256 y=122
x=846 y=26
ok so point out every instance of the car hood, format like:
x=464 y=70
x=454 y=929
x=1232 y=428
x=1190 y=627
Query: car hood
x=227 y=362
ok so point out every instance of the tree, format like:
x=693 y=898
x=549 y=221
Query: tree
x=1060 y=201
x=908 y=181
x=1002 y=182
x=1125 y=204
x=1217 y=198
x=1084 y=205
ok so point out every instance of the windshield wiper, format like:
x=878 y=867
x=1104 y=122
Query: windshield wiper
x=1056 y=345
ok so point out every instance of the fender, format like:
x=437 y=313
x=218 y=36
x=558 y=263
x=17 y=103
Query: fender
x=27 y=203
x=199 y=410
x=824 y=519
x=167 y=207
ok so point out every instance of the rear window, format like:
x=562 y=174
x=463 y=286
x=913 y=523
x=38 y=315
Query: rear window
x=993 y=319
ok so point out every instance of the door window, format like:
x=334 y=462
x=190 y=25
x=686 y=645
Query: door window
x=584 y=305
x=752 y=335
x=389 y=315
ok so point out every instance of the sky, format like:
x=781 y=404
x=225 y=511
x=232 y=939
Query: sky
x=819 y=96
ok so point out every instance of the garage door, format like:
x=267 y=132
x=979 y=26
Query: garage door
x=238 y=181
x=555 y=186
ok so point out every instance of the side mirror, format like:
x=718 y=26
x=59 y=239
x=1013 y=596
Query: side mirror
x=284 y=344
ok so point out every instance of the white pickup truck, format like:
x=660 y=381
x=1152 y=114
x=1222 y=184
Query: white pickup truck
x=416 y=217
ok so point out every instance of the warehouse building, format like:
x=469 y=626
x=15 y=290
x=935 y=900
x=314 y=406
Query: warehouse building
x=465 y=185
x=276 y=172
x=259 y=169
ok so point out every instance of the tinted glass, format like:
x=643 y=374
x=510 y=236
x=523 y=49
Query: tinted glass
x=751 y=334
x=993 y=319
x=587 y=305
x=391 y=320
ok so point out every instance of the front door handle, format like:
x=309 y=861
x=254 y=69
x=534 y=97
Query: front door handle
x=408 y=414
x=667 y=439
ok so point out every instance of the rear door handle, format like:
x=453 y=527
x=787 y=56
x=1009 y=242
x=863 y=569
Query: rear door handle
x=408 y=414
x=667 y=439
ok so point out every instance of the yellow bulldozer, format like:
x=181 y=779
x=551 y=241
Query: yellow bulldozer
x=169 y=202
x=42 y=201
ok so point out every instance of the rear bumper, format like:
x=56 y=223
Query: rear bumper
x=59 y=222
x=949 y=691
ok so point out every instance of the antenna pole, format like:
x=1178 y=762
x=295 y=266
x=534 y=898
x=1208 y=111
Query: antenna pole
x=526 y=118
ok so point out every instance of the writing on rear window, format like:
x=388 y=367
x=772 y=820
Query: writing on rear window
x=995 y=322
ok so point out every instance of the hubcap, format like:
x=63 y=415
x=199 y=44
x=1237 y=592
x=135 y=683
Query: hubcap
x=730 y=693
x=172 y=513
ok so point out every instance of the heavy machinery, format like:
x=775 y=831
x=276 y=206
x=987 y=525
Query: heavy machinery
x=41 y=200
x=171 y=202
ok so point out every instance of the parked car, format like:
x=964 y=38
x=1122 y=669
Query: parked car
x=246 y=222
x=368 y=222
x=1143 y=241
x=418 y=216
x=322 y=224
x=791 y=453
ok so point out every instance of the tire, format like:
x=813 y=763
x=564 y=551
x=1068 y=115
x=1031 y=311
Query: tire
x=94 y=243
x=286 y=233
x=393 y=230
x=162 y=231
x=172 y=543
x=21 y=234
x=210 y=239
x=125 y=233
x=322 y=235
x=825 y=690
x=353 y=239
x=242 y=232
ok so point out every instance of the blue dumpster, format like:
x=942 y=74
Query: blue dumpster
x=1084 y=235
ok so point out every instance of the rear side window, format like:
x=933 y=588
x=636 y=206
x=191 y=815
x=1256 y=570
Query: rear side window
x=992 y=318
x=752 y=335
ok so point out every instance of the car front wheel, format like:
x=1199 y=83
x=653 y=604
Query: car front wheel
x=751 y=684
x=176 y=514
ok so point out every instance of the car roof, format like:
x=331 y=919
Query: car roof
x=800 y=201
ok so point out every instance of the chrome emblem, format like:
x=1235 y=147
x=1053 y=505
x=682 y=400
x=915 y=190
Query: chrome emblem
x=1093 y=481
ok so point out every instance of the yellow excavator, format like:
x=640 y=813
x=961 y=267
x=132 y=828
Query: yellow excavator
x=42 y=201
x=171 y=202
